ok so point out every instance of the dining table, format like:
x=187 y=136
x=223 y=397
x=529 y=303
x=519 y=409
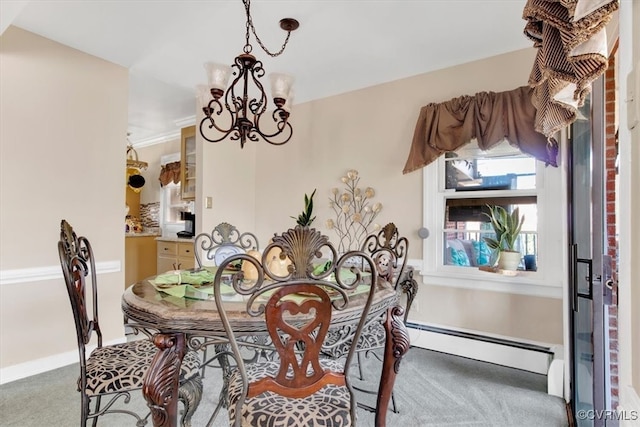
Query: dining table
x=186 y=317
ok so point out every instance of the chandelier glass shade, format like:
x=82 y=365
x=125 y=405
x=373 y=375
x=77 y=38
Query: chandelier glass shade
x=238 y=110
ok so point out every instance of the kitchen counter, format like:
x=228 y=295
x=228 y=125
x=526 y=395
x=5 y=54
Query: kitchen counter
x=174 y=239
x=143 y=234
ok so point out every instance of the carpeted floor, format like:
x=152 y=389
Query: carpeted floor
x=432 y=389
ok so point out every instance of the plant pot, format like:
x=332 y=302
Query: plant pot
x=509 y=260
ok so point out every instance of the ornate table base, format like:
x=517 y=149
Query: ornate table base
x=160 y=386
x=396 y=346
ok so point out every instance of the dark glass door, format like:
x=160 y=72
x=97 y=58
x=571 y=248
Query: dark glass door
x=588 y=269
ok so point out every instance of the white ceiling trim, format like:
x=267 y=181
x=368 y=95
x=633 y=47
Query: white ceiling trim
x=159 y=139
x=185 y=121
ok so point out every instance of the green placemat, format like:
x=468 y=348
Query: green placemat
x=195 y=284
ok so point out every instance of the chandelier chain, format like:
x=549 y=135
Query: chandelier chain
x=249 y=25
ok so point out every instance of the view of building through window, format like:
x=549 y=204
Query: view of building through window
x=473 y=180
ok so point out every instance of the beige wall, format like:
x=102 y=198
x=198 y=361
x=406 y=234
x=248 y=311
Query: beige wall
x=151 y=191
x=63 y=148
x=371 y=130
x=229 y=176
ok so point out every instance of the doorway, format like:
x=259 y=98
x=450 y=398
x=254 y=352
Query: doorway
x=592 y=255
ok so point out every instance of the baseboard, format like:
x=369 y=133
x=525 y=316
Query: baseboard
x=540 y=358
x=49 y=363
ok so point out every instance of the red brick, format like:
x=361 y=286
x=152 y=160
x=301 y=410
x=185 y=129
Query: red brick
x=610 y=85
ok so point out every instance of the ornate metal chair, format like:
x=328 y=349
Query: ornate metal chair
x=390 y=254
x=223 y=241
x=300 y=388
x=112 y=371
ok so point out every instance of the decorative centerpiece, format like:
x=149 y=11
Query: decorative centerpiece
x=354 y=212
x=507 y=228
x=277 y=262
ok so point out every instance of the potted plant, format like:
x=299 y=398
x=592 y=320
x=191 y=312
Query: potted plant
x=507 y=227
x=305 y=218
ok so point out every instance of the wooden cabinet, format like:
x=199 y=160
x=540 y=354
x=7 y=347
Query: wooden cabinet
x=175 y=255
x=188 y=163
x=139 y=258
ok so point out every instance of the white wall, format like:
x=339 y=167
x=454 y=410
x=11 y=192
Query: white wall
x=62 y=155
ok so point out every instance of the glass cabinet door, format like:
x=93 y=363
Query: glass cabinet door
x=188 y=163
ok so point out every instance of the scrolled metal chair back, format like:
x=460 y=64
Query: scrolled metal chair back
x=298 y=327
x=77 y=263
x=224 y=235
x=389 y=251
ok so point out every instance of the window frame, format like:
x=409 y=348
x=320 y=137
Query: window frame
x=551 y=275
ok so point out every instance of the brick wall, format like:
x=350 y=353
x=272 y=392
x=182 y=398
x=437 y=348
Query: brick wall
x=611 y=152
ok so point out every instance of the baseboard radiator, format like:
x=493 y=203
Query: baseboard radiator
x=534 y=357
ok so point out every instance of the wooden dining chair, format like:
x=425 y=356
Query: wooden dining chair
x=390 y=254
x=111 y=371
x=300 y=388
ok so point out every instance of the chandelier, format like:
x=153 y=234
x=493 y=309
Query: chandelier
x=243 y=111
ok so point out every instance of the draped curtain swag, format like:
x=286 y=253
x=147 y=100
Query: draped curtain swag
x=169 y=173
x=570 y=36
x=488 y=117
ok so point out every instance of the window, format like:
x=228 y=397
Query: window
x=171 y=203
x=474 y=179
x=457 y=189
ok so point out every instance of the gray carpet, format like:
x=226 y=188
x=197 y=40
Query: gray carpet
x=432 y=389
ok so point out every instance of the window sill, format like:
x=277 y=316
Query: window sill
x=524 y=283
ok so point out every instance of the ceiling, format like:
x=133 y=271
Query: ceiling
x=340 y=45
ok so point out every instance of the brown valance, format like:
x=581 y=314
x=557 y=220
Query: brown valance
x=489 y=117
x=169 y=173
x=571 y=39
